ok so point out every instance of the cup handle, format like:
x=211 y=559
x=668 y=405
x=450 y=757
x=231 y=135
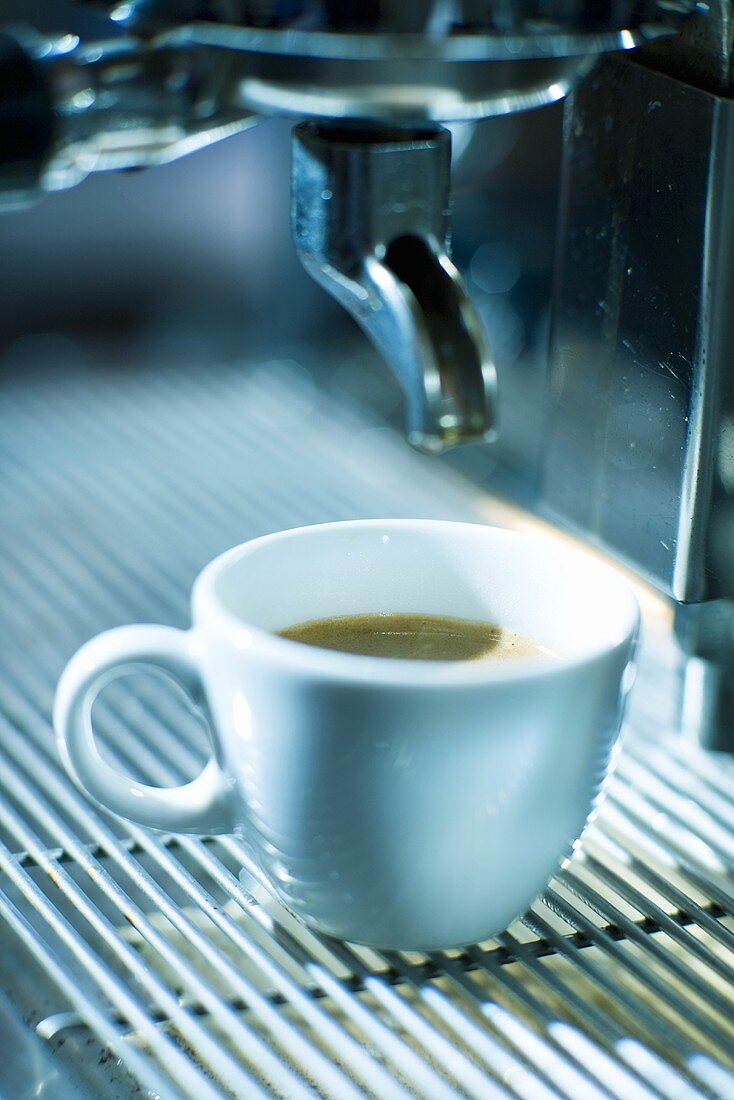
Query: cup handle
x=206 y=804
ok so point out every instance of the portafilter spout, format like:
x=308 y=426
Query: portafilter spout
x=371 y=225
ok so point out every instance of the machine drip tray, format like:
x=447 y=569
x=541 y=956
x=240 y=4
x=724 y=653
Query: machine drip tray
x=140 y=965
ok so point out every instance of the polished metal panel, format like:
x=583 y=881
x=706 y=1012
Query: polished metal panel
x=370 y=223
x=703 y=53
x=641 y=396
x=705 y=632
x=640 y=401
x=149 y=962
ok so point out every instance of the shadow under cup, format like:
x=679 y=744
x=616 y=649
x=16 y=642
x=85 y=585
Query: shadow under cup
x=400 y=803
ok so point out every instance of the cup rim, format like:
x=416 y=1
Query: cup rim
x=303 y=659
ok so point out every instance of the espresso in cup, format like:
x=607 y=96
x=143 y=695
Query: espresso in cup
x=403 y=804
x=417 y=638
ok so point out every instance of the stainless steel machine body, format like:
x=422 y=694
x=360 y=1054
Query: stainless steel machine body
x=641 y=381
x=640 y=395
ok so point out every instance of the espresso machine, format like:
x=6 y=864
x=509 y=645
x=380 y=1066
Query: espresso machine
x=637 y=433
x=619 y=983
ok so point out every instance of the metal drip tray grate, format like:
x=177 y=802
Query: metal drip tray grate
x=151 y=964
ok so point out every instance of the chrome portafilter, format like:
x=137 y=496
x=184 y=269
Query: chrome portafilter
x=149 y=80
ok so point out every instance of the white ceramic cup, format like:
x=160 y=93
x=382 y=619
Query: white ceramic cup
x=397 y=803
